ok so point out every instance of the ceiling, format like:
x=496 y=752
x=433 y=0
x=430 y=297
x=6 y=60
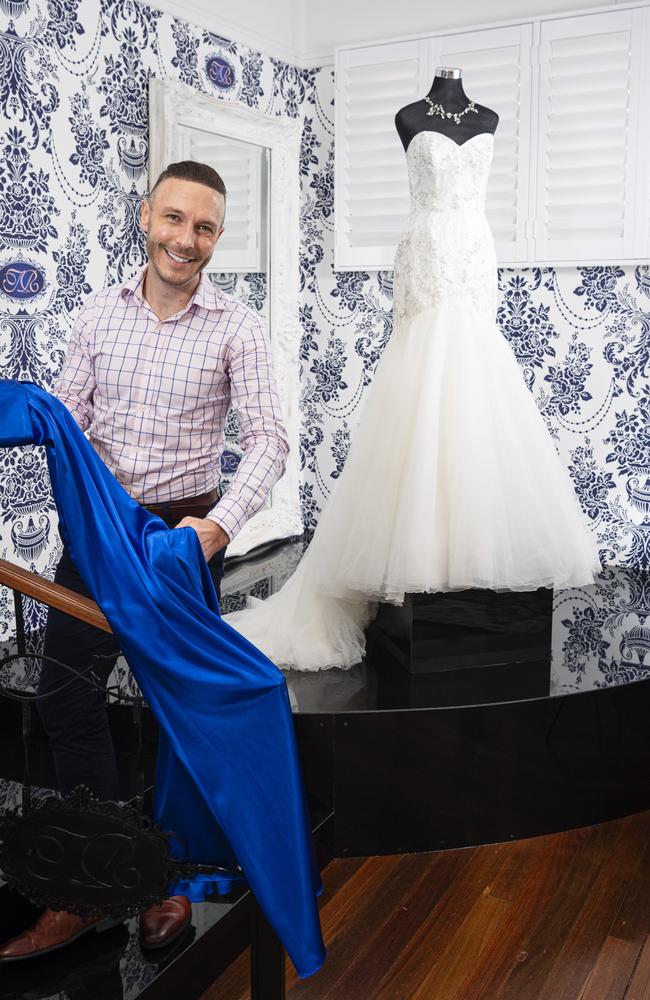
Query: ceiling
x=305 y=33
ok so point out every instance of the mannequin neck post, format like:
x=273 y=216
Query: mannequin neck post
x=449 y=93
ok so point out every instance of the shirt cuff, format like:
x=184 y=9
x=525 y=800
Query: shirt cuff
x=226 y=520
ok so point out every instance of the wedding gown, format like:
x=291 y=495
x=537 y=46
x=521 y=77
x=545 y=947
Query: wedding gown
x=452 y=480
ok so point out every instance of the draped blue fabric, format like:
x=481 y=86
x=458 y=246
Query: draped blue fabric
x=228 y=781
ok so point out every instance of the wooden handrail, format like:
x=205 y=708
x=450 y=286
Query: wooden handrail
x=52 y=594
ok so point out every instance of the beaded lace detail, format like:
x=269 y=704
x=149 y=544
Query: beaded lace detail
x=446 y=249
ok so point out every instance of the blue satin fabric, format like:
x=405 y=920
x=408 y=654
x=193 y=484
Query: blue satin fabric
x=228 y=780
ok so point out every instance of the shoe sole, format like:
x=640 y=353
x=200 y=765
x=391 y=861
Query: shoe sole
x=167 y=941
x=99 y=928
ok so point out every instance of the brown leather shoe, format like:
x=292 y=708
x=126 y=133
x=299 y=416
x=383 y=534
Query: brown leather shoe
x=54 y=929
x=164 y=923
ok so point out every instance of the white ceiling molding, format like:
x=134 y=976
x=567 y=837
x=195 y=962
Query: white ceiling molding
x=306 y=36
x=204 y=14
x=312 y=60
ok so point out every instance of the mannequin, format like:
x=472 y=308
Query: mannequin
x=407 y=495
x=447 y=90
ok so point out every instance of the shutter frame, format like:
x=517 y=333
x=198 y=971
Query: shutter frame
x=531 y=245
x=354 y=219
x=597 y=241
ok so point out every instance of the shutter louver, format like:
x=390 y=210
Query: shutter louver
x=242 y=246
x=496 y=73
x=588 y=106
x=372 y=196
x=569 y=182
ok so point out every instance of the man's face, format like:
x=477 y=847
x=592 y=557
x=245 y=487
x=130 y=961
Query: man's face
x=183 y=222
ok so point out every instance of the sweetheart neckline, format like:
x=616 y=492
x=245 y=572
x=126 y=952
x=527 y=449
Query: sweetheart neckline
x=430 y=131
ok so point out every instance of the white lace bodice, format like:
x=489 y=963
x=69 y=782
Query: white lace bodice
x=446 y=249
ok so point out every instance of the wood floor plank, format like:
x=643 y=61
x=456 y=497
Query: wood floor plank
x=563 y=917
x=552 y=857
x=484 y=922
x=379 y=949
x=337 y=874
x=591 y=927
x=610 y=976
x=632 y=921
x=555 y=921
x=346 y=906
x=382 y=900
x=425 y=948
x=233 y=984
x=639 y=988
x=520 y=859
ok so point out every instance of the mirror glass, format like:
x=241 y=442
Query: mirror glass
x=241 y=263
x=256 y=260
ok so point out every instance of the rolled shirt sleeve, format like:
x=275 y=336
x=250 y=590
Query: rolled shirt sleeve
x=263 y=436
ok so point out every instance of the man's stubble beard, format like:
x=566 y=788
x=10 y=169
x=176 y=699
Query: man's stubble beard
x=153 y=248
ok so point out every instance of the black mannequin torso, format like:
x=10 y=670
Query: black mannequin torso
x=450 y=94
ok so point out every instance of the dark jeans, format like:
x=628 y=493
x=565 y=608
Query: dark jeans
x=76 y=720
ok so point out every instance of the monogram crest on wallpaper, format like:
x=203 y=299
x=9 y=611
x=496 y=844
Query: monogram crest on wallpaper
x=21 y=278
x=73 y=168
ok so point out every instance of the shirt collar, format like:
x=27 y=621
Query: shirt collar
x=207 y=296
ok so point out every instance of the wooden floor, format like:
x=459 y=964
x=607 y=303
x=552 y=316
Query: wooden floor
x=563 y=917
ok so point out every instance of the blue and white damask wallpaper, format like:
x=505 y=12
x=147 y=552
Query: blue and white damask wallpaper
x=73 y=166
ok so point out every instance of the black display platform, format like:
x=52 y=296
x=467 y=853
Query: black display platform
x=439 y=778
x=503 y=738
x=465 y=630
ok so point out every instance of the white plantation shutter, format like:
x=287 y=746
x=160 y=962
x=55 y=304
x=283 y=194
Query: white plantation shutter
x=642 y=196
x=371 y=185
x=588 y=194
x=496 y=67
x=242 y=247
x=570 y=178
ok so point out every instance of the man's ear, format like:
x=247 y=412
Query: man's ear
x=144 y=215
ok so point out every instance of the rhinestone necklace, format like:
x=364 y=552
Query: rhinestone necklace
x=437 y=109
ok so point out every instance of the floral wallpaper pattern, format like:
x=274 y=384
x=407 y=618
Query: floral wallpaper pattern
x=73 y=167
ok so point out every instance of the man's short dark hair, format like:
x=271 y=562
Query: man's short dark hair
x=190 y=170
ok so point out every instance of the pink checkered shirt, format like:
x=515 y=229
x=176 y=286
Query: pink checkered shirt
x=155 y=395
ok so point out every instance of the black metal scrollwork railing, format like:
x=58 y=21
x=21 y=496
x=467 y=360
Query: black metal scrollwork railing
x=77 y=852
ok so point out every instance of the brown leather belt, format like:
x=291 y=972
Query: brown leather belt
x=173 y=511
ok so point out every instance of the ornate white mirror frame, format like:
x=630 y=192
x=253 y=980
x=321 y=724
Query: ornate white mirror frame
x=172 y=105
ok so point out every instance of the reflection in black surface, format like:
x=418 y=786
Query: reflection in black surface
x=108 y=966
x=89 y=969
x=600 y=633
x=353 y=690
x=491 y=647
x=475 y=647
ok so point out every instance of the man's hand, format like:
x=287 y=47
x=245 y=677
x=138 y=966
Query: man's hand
x=211 y=536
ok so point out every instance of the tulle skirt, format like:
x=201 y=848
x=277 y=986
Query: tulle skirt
x=452 y=482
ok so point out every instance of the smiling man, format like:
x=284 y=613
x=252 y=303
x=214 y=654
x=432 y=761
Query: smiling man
x=152 y=369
